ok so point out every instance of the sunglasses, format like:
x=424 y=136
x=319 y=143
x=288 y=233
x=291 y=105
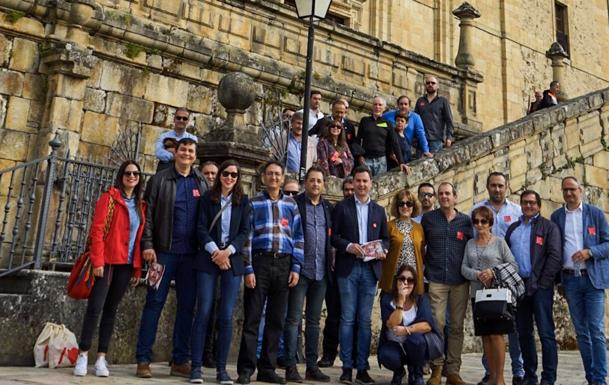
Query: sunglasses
x=426 y=195
x=131 y=173
x=406 y=280
x=291 y=193
x=480 y=221
x=335 y=126
x=407 y=204
x=233 y=175
x=182 y=118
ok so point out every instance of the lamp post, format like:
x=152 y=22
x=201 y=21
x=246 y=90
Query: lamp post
x=311 y=10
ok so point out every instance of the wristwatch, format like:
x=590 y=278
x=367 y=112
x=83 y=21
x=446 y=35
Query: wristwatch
x=399 y=308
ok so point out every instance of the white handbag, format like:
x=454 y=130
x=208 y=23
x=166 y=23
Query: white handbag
x=494 y=304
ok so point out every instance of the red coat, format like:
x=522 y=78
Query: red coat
x=115 y=249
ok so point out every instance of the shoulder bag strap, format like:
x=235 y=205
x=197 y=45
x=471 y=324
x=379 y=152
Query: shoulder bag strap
x=215 y=220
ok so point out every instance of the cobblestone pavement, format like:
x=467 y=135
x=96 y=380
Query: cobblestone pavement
x=570 y=372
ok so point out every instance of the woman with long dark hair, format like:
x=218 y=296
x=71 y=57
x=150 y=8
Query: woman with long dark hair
x=333 y=154
x=406 y=318
x=223 y=228
x=116 y=259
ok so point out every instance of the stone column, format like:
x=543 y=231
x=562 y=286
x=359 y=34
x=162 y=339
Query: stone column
x=466 y=14
x=560 y=60
x=235 y=139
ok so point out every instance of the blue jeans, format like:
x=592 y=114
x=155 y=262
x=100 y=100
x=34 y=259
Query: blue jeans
x=206 y=290
x=178 y=267
x=314 y=291
x=587 y=308
x=538 y=306
x=377 y=165
x=357 y=292
x=412 y=353
x=515 y=356
x=435 y=145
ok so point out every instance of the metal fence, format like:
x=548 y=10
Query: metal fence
x=46 y=208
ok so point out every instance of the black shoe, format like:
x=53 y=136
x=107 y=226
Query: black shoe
x=281 y=363
x=517 y=380
x=484 y=380
x=244 y=378
x=347 y=376
x=326 y=362
x=398 y=377
x=292 y=375
x=363 y=378
x=314 y=374
x=270 y=376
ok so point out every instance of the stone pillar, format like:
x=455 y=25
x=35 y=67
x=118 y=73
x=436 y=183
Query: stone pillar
x=560 y=59
x=466 y=14
x=235 y=139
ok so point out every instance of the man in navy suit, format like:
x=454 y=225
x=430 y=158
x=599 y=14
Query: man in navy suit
x=585 y=275
x=355 y=221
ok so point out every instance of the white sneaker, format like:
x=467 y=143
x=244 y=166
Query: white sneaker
x=81 y=365
x=101 y=367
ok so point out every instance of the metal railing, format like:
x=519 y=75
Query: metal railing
x=46 y=206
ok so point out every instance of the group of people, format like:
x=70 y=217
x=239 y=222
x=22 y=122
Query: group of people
x=294 y=251
x=384 y=140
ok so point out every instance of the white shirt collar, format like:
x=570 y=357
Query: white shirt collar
x=579 y=208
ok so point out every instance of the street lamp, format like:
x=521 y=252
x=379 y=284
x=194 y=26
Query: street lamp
x=311 y=10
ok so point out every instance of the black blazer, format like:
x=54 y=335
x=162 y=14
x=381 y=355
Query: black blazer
x=345 y=231
x=239 y=231
x=546 y=253
x=301 y=200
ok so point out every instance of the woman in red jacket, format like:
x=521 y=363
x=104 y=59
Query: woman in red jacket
x=116 y=259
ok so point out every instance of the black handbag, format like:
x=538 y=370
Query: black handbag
x=435 y=345
x=494 y=305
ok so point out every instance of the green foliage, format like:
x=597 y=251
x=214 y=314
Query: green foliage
x=133 y=50
x=13 y=15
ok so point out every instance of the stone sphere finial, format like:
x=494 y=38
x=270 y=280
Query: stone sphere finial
x=236 y=91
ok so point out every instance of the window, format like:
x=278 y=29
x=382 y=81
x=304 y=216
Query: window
x=562 y=26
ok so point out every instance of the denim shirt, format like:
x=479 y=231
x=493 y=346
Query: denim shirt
x=185 y=215
x=134 y=224
x=315 y=249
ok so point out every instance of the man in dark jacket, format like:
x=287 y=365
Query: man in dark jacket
x=315 y=214
x=550 y=97
x=536 y=244
x=172 y=198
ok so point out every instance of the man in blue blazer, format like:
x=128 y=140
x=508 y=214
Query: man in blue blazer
x=355 y=221
x=585 y=275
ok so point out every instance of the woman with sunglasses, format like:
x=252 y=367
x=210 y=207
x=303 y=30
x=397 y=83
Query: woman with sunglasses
x=482 y=254
x=406 y=318
x=406 y=240
x=333 y=154
x=116 y=260
x=223 y=228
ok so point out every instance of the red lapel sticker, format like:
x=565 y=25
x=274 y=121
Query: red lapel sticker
x=539 y=240
x=329 y=231
x=374 y=225
x=349 y=136
x=460 y=235
x=592 y=230
x=507 y=218
x=196 y=193
x=284 y=222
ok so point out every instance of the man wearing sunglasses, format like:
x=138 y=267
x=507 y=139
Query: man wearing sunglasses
x=505 y=213
x=427 y=196
x=536 y=245
x=180 y=121
x=437 y=116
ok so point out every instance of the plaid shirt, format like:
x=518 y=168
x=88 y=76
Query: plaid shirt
x=445 y=246
x=276 y=227
x=506 y=275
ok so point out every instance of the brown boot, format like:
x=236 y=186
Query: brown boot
x=455 y=379
x=143 y=370
x=180 y=370
x=436 y=376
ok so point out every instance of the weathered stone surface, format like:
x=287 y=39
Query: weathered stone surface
x=34 y=87
x=95 y=100
x=166 y=90
x=123 y=79
x=25 y=55
x=200 y=99
x=126 y=107
x=99 y=128
x=14 y=145
x=17 y=113
x=11 y=83
x=5 y=50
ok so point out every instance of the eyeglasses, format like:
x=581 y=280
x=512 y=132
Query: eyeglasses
x=233 y=175
x=406 y=280
x=131 y=173
x=335 y=126
x=183 y=118
x=428 y=83
x=480 y=221
x=407 y=204
x=290 y=193
x=426 y=195
x=528 y=203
